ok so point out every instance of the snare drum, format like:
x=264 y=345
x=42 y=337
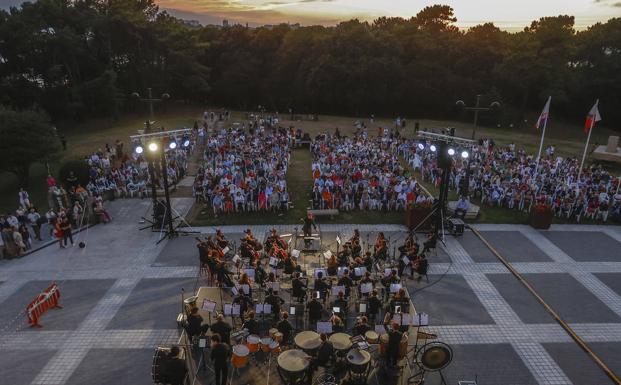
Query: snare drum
x=252 y=342
x=240 y=356
x=277 y=337
x=371 y=337
x=275 y=348
x=265 y=344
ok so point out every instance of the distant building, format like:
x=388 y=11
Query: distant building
x=225 y=23
x=192 y=23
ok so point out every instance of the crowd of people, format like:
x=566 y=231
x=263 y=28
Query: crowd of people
x=362 y=172
x=509 y=177
x=243 y=170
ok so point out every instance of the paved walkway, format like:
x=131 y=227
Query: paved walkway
x=121 y=296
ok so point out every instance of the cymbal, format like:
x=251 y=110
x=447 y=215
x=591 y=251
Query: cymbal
x=435 y=356
x=286 y=235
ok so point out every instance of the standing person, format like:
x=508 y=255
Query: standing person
x=19 y=241
x=65 y=226
x=394 y=342
x=24 y=198
x=220 y=353
x=58 y=232
x=309 y=223
x=51 y=216
x=175 y=369
x=34 y=219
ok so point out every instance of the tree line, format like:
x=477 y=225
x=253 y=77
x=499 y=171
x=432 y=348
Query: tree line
x=84 y=58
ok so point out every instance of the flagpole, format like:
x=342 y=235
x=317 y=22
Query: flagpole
x=543 y=132
x=585 y=149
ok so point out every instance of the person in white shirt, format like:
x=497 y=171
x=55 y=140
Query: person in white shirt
x=24 y=198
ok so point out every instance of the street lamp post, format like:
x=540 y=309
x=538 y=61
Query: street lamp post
x=477 y=108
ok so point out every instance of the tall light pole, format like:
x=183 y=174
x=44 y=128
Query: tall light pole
x=150 y=100
x=477 y=108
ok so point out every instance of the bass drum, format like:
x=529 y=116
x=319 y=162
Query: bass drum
x=160 y=356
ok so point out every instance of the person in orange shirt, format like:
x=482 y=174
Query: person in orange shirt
x=327 y=198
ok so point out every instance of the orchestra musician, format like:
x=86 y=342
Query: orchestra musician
x=420 y=266
x=315 y=310
x=222 y=328
x=332 y=265
x=195 y=325
x=341 y=303
x=337 y=324
x=221 y=239
x=431 y=241
x=275 y=301
x=344 y=255
x=321 y=286
x=274 y=239
x=409 y=243
x=245 y=280
x=249 y=237
x=251 y=324
x=325 y=354
x=394 y=342
x=289 y=264
x=174 y=369
x=367 y=279
x=308 y=223
x=362 y=326
x=374 y=305
x=345 y=280
x=245 y=302
x=381 y=247
x=285 y=327
x=367 y=261
x=354 y=241
x=220 y=353
x=298 y=288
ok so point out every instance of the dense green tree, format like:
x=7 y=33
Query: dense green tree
x=26 y=137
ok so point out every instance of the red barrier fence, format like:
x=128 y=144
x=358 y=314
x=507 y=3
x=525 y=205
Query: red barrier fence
x=47 y=300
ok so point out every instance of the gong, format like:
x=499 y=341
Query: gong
x=434 y=356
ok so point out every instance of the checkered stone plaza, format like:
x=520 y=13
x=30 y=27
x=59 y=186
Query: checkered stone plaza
x=121 y=295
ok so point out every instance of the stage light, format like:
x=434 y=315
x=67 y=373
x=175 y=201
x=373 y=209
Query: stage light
x=451 y=151
x=152 y=146
x=185 y=141
x=138 y=149
x=172 y=144
x=421 y=146
x=464 y=154
x=432 y=148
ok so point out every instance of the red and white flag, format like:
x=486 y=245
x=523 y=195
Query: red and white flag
x=543 y=118
x=592 y=118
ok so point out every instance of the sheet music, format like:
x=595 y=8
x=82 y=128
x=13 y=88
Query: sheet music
x=228 y=309
x=327 y=254
x=225 y=250
x=267 y=308
x=273 y=261
x=249 y=272
x=246 y=289
x=236 y=310
x=366 y=287
x=234 y=290
x=324 y=327
x=322 y=270
x=394 y=287
x=380 y=329
x=360 y=271
x=259 y=308
x=236 y=258
x=405 y=259
x=295 y=253
x=387 y=272
x=420 y=319
x=338 y=289
x=209 y=306
x=338 y=239
x=340 y=271
x=363 y=308
x=402 y=318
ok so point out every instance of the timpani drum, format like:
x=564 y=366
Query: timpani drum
x=252 y=342
x=371 y=337
x=275 y=348
x=292 y=366
x=240 y=356
x=341 y=341
x=308 y=341
x=265 y=344
x=359 y=361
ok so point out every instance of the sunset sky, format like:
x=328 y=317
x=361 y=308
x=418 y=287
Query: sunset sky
x=507 y=14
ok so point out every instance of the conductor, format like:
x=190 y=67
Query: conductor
x=306 y=229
